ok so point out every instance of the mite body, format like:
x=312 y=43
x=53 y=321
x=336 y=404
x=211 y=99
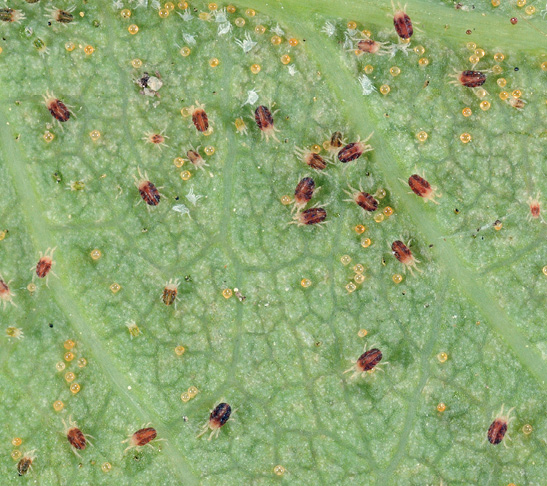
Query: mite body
x=169 y=294
x=304 y=192
x=45 y=263
x=6 y=295
x=199 y=117
x=369 y=46
x=363 y=199
x=468 y=78
x=9 y=15
x=309 y=217
x=57 y=108
x=311 y=159
x=196 y=159
x=148 y=191
x=76 y=438
x=352 y=151
x=422 y=188
x=535 y=209
x=218 y=417
x=366 y=362
x=25 y=464
x=402 y=23
x=404 y=255
x=265 y=121
x=141 y=438
x=61 y=16
x=157 y=139
x=498 y=428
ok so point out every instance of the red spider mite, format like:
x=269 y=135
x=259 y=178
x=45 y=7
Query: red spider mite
x=310 y=216
x=535 y=208
x=402 y=23
x=158 y=139
x=43 y=267
x=57 y=108
x=148 y=191
x=362 y=199
x=199 y=117
x=469 y=79
x=219 y=416
x=6 y=295
x=169 y=294
x=61 y=16
x=366 y=362
x=25 y=464
x=304 y=192
x=11 y=15
x=197 y=160
x=141 y=438
x=315 y=161
x=369 y=46
x=422 y=188
x=77 y=439
x=404 y=255
x=265 y=121
x=354 y=150
x=498 y=428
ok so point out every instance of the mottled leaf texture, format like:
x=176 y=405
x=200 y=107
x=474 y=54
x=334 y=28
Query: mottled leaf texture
x=260 y=314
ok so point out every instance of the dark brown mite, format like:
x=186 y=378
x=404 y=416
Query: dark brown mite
x=403 y=25
x=219 y=416
x=11 y=15
x=264 y=118
x=196 y=158
x=43 y=266
x=200 y=119
x=315 y=161
x=170 y=292
x=58 y=109
x=149 y=193
x=401 y=252
x=353 y=151
x=62 y=16
x=472 y=79
x=304 y=192
x=24 y=465
x=336 y=140
x=76 y=438
x=496 y=431
x=368 y=360
x=311 y=216
x=366 y=201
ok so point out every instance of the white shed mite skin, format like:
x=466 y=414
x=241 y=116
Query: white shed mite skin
x=6 y=294
x=217 y=418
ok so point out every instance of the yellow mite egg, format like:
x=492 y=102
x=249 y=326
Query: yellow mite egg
x=498 y=225
x=504 y=95
x=530 y=10
x=544 y=270
x=480 y=52
x=501 y=82
x=179 y=350
x=185 y=397
x=397 y=278
x=368 y=69
x=485 y=105
x=3 y=234
x=359 y=278
x=380 y=193
x=60 y=366
x=15 y=455
x=95 y=135
x=345 y=259
x=275 y=40
x=48 y=136
x=178 y=162
x=193 y=391
x=471 y=46
x=499 y=57
x=186 y=112
x=255 y=68
x=305 y=282
x=69 y=344
x=115 y=288
x=170 y=6
x=286 y=59
x=362 y=333
x=358 y=268
x=467 y=112
x=442 y=357
x=360 y=229
x=125 y=13
x=521 y=3
x=209 y=150
x=352 y=25
x=163 y=13
x=516 y=93
x=495 y=3
x=293 y=42
x=212 y=6
x=279 y=470
x=16 y=441
x=69 y=356
x=185 y=51
x=75 y=388
x=366 y=242
x=497 y=69
x=260 y=29
x=82 y=363
x=394 y=71
x=106 y=466
x=465 y=137
x=421 y=136
x=315 y=148
x=240 y=22
x=58 y=405
x=474 y=59
x=185 y=175
x=351 y=287
x=133 y=29
x=214 y=62
x=481 y=93
x=379 y=217
x=366 y=32
x=385 y=89
x=230 y=9
x=423 y=61
x=70 y=46
x=441 y=407
x=419 y=50
x=69 y=377
x=286 y=200
x=250 y=12
x=227 y=293
x=527 y=429
x=388 y=211
x=544 y=66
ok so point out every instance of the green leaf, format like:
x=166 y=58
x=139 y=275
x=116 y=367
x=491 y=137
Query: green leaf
x=277 y=356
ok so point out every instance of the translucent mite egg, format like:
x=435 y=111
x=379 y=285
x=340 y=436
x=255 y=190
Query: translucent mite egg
x=485 y=105
x=70 y=377
x=82 y=363
x=362 y=333
x=212 y=6
x=106 y=467
x=397 y=278
x=230 y=9
x=481 y=93
x=521 y=3
x=60 y=366
x=394 y=71
x=178 y=162
x=250 y=12
x=359 y=278
x=227 y=293
x=115 y=288
x=185 y=397
x=255 y=68
x=419 y=50
x=286 y=200
x=214 y=62
x=471 y=46
x=193 y=391
x=380 y=193
x=240 y=22
x=499 y=57
x=305 y=282
x=69 y=356
x=544 y=66
x=133 y=29
x=495 y=3
x=95 y=254
x=31 y=287
x=315 y=149
x=351 y=25
x=501 y=82
x=358 y=268
x=422 y=136
x=480 y=53
x=527 y=429
x=345 y=259
x=279 y=470
x=474 y=59
x=504 y=95
x=465 y=137
x=360 y=229
x=260 y=29
x=544 y=270
x=185 y=175
x=423 y=61
x=69 y=344
x=179 y=350
x=70 y=46
x=125 y=13
x=16 y=455
x=351 y=287
x=497 y=69
x=75 y=388
x=442 y=357
x=516 y=93
x=170 y=6
x=136 y=63
x=441 y=407
x=366 y=242
x=286 y=59
x=209 y=150
x=186 y=112
x=16 y=441
x=379 y=217
x=385 y=89
x=388 y=211
x=58 y=405
x=95 y=135
x=48 y=136
x=89 y=50
x=275 y=40
x=185 y=51
x=530 y=10
x=368 y=69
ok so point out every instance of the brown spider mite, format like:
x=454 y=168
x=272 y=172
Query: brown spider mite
x=25 y=464
x=362 y=199
x=141 y=438
x=45 y=263
x=369 y=46
x=402 y=23
x=6 y=295
x=422 y=188
x=535 y=208
x=265 y=121
x=157 y=139
x=303 y=192
x=313 y=160
x=219 y=416
x=469 y=79
x=336 y=141
x=404 y=255
x=354 y=150
x=57 y=108
x=199 y=117
x=366 y=362
x=498 y=428
x=312 y=216
x=169 y=294
x=61 y=16
x=11 y=15
x=148 y=191
x=76 y=438
x=197 y=160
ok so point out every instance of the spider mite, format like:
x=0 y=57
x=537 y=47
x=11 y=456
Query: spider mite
x=336 y=142
x=402 y=23
x=199 y=117
x=76 y=438
x=362 y=199
x=366 y=362
x=170 y=292
x=197 y=160
x=43 y=267
x=61 y=16
x=141 y=438
x=6 y=295
x=498 y=428
x=469 y=79
x=219 y=416
x=11 y=15
x=158 y=139
x=303 y=192
x=516 y=102
x=25 y=463
x=315 y=161
x=264 y=120
x=57 y=108
x=422 y=188
x=535 y=208
x=354 y=150
x=369 y=46
x=148 y=191
x=310 y=217
x=404 y=255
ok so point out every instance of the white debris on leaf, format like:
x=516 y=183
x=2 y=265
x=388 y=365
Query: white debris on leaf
x=366 y=85
x=348 y=40
x=247 y=43
x=193 y=198
x=252 y=97
x=292 y=70
x=278 y=30
x=182 y=209
x=329 y=29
